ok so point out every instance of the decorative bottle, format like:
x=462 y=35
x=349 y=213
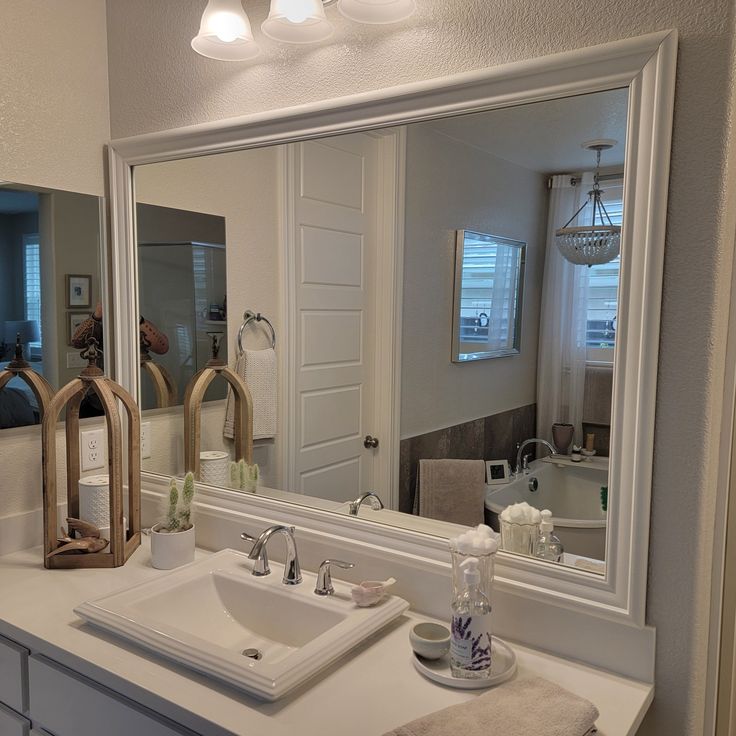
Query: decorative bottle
x=548 y=546
x=470 y=644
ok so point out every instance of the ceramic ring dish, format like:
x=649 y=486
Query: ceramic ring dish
x=503 y=667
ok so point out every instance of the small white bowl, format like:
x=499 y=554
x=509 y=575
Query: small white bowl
x=431 y=641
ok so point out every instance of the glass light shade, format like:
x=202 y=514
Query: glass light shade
x=589 y=246
x=225 y=33
x=377 y=11
x=297 y=21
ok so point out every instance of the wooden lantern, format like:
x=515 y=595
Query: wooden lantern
x=242 y=415
x=122 y=544
x=20 y=368
x=163 y=382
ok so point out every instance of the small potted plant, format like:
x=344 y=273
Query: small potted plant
x=244 y=477
x=172 y=541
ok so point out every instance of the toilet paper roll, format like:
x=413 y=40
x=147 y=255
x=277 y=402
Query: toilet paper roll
x=213 y=467
x=94 y=500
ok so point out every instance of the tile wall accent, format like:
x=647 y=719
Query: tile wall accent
x=489 y=438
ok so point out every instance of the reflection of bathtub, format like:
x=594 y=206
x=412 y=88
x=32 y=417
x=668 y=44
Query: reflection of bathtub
x=571 y=493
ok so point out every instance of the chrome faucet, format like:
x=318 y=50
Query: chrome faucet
x=324 y=576
x=522 y=464
x=292 y=571
x=370 y=497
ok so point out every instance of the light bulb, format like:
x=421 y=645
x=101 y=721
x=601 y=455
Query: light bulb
x=296 y=11
x=226 y=26
x=225 y=33
x=297 y=21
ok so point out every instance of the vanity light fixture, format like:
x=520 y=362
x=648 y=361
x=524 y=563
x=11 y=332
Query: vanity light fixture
x=599 y=242
x=297 y=21
x=377 y=12
x=225 y=33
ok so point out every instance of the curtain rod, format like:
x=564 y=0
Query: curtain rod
x=575 y=180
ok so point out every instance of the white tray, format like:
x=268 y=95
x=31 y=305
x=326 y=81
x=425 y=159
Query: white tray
x=503 y=667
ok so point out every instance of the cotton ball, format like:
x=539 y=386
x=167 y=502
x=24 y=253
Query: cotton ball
x=486 y=531
x=465 y=543
x=490 y=546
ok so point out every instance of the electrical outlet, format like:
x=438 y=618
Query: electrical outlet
x=92 y=449
x=145 y=440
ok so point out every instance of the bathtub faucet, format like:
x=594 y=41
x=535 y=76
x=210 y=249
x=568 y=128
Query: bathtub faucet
x=522 y=466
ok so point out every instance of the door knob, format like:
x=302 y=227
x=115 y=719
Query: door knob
x=369 y=442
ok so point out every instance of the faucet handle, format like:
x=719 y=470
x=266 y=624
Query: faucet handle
x=260 y=564
x=324 y=576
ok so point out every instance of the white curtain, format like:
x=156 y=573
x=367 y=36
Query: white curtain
x=562 y=324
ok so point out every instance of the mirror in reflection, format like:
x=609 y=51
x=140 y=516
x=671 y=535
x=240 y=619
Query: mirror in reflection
x=50 y=291
x=489 y=280
x=433 y=235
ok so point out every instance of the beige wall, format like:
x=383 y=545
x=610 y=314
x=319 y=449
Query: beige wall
x=157 y=83
x=242 y=187
x=55 y=122
x=76 y=245
x=53 y=93
x=452 y=186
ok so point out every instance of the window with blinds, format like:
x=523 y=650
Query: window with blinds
x=32 y=283
x=603 y=286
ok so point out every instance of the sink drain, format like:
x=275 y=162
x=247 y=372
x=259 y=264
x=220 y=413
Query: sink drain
x=253 y=654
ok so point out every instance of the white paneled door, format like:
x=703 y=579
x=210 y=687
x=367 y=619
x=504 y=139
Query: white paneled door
x=333 y=237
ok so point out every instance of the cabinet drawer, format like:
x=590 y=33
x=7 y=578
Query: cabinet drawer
x=67 y=704
x=13 y=675
x=11 y=724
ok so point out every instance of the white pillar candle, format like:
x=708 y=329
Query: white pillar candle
x=94 y=500
x=213 y=468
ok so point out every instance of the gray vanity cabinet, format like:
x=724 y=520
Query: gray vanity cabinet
x=39 y=697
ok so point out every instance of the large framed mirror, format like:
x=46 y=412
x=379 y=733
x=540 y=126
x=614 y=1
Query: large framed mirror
x=314 y=252
x=51 y=291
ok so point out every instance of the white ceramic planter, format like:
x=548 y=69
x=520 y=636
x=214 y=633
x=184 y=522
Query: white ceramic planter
x=170 y=550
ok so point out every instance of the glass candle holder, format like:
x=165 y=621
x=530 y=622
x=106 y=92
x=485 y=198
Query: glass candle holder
x=519 y=538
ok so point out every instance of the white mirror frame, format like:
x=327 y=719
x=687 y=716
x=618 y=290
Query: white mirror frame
x=646 y=65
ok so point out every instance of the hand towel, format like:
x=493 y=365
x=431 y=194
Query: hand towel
x=451 y=490
x=258 y=369
x=519 y=708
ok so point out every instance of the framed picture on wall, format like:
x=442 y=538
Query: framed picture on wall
x=78 y=291
x=74 y=319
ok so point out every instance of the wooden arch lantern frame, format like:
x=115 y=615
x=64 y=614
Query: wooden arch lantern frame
x=242 y=414
x=122 y=543
x=19 y=367
x=163 y=382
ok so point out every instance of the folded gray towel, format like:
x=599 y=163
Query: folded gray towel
x=451 y=490
x=520 y=708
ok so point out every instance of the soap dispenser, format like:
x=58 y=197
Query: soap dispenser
x=470 y=643
x=548 y=546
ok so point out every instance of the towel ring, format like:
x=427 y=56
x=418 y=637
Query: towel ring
x=249 y=317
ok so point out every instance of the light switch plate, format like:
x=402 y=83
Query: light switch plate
x=92 y=449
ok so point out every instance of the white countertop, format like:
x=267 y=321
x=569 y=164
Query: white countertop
x=370 y=691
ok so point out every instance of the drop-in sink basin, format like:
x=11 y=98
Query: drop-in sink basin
x=255 y=633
